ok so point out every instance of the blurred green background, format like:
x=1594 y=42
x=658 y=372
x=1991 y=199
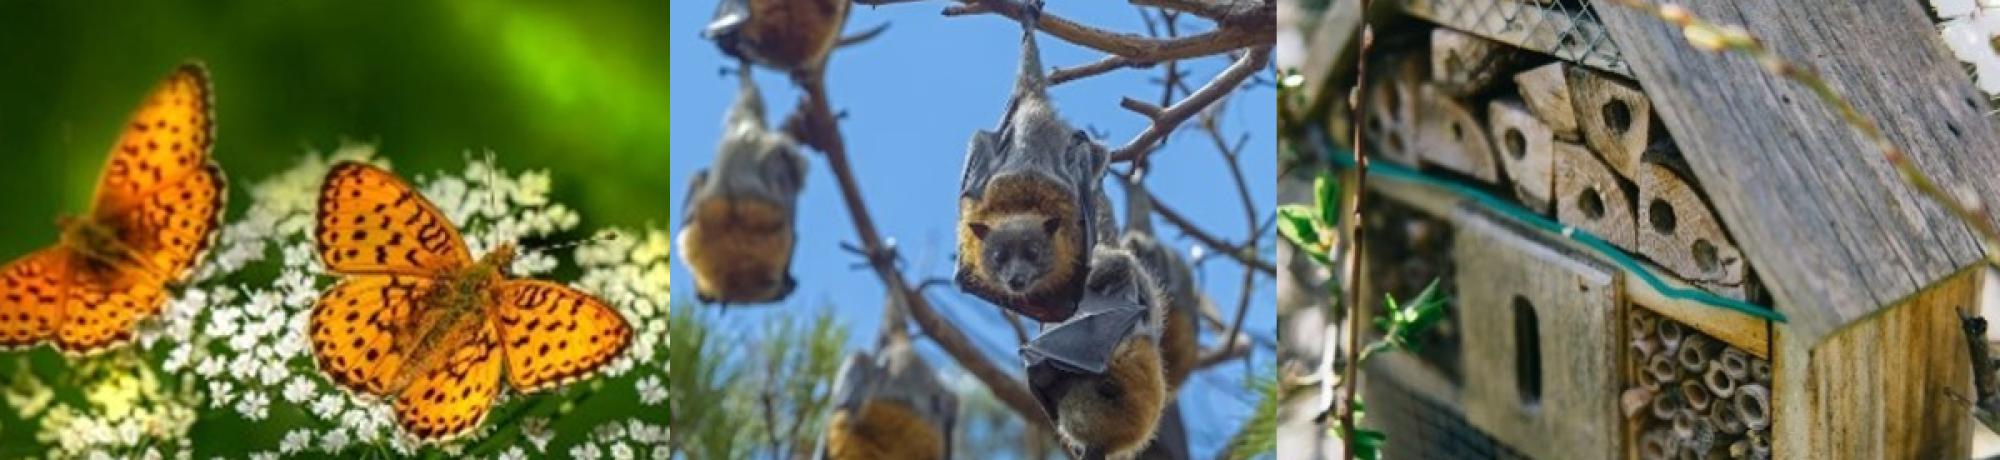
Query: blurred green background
x=577 y=88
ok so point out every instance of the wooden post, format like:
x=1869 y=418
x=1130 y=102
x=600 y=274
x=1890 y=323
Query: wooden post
x=1463 y=64
x=1589 y=197
x=1449 y=136
x=1876 y=388
x=1615 y=117
x=1541 y=340
x=1545 y=90
x=1678 y=231
x=1525 y=152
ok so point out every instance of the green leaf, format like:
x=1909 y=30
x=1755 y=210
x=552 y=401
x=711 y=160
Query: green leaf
x=1326 y=193
x=1302 y=229
x=1402 y=322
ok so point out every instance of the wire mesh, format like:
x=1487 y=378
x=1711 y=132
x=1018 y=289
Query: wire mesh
x=1566 y=29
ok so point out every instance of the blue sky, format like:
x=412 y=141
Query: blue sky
x=913 y=97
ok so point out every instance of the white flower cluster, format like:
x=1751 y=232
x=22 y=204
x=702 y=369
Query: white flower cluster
x=128 y=412
x=1969 y=28
x=237 y=335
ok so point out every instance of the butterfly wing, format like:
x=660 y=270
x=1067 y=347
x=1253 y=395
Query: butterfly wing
x=169 y=230
x=372 y=222
x=454 y=396
x=166 y=140
x=32 y=291
x=353 y=330
x=105 y=301
x=553 y=333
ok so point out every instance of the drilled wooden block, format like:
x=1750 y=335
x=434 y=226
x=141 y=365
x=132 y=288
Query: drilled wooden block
x=1588 y=197
x=1545 y=91
x=1678 y=231
x=1615 y=117
x=1451 y=137
x=1525 y=152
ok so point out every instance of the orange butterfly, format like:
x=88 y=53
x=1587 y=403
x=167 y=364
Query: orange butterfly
x=417 y=319
x=158 y=205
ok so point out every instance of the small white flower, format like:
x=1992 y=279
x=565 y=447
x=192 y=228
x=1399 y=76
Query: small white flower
x=295 y=441
x=585 y=451
x=328 y=404
x=264 y=456
x=334 y=441
x=651 y=392
x=513 y=453
x=536 y=429
x=620 y=451
x=298 y=390
x=253 y=406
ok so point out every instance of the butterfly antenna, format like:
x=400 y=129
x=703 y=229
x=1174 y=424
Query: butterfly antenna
x=602 y=236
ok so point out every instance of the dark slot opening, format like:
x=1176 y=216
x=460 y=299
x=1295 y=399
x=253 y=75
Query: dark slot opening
x=1528 y=352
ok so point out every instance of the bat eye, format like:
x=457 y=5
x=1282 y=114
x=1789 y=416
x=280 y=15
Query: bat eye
x=979 y=229
x=1051 y=225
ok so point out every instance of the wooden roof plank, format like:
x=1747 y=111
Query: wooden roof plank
x=1826 y=221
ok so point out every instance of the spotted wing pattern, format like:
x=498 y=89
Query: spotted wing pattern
x=553 y=333
x=372 y=222
x=454 y=396
x=32 y=292
x=353 y=330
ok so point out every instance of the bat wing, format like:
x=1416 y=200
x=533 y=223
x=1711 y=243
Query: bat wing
x=695 y=186
x=1082 y=345
x=1170 y=438
x=856 y=381
x=980 y=159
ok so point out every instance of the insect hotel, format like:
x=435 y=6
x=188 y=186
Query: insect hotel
x=1656 y=251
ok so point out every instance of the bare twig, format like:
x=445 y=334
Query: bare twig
x=1244 y=254
x=1108 y=64
x=1350 y=292
x=814 y=123
x=1167 y=120
x=1244 y=14
x=1228 y=37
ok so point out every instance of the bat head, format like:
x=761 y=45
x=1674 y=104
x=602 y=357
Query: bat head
x=1018 y=250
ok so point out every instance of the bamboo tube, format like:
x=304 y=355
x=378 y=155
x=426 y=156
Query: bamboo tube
x=1663 y=368
x=1735 y=363
x=1719 y=381
x=1656 y=444
x=1723 y=418
x=1666 y=404
x=1753 y=406
x=1670 y=334
x=1636 y=399
x=1695 y=394
x=1694 y=353
x=1683 y=423
x=1760 y=371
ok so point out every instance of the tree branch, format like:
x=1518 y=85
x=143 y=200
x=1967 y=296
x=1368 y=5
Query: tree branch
x=1167 y=120
x=814 y=123
x=1246 y=255
x=1228 y=37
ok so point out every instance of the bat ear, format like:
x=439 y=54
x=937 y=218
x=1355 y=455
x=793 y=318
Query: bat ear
x=979 y=229
x=1051 y=225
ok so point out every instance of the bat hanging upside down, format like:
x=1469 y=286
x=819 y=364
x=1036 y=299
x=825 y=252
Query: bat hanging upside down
x=737 y=221
x=1098 y=375
x=890 y=407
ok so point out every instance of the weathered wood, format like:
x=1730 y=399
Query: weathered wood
x=1463 y=64
x=1451 y=137
x=1547 y=31
x=1391 y=110
x=1830 y=226
x=1574 y=301
x=1333 y=39
x=1876 y=389
x=1525 y=152
x=1750 y=333
x=1615 y=117
x=1545 y=90
x=1678 y=231
x=1589 y=197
